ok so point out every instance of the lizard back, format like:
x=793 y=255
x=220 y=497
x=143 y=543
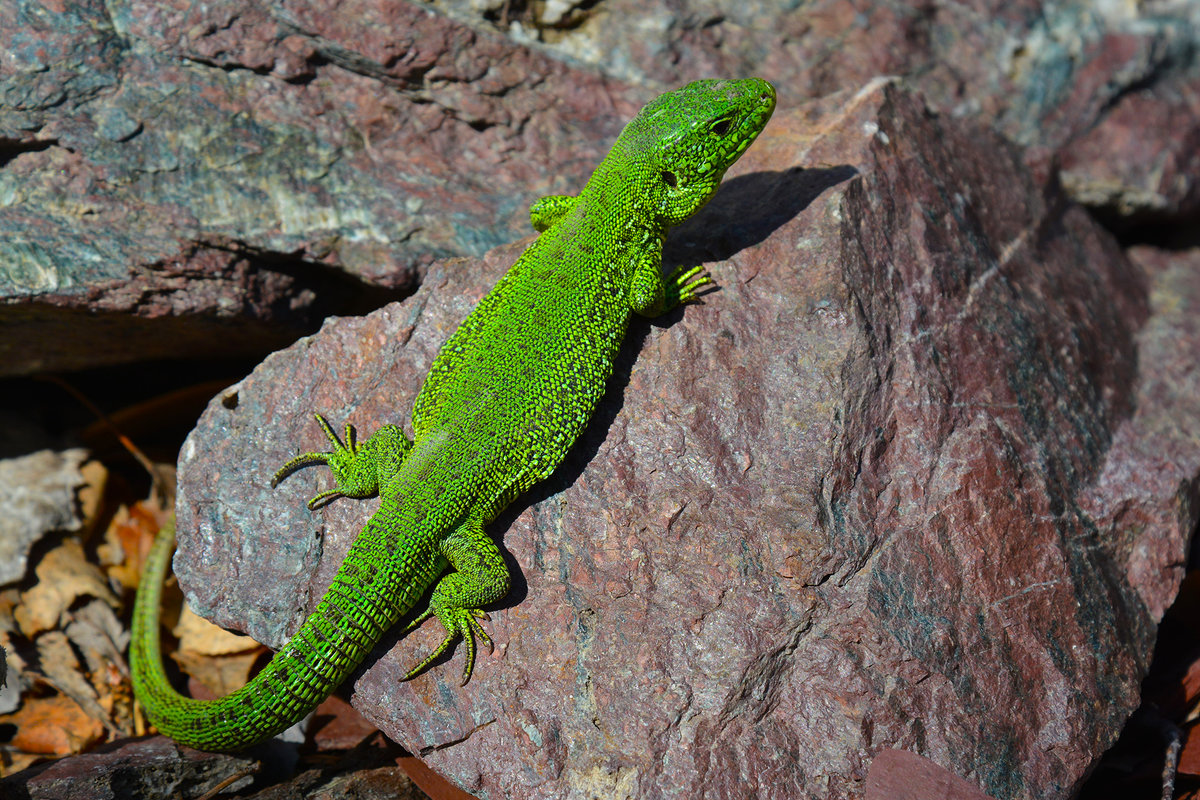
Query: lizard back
x=503 y=402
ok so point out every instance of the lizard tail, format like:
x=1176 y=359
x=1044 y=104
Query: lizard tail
x=330 y=645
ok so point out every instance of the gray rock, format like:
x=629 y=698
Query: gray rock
x=39 y=497
x=155 y=767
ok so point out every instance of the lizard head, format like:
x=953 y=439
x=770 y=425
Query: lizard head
x=679 y=145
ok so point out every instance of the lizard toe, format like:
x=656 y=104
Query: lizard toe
x=459 y=623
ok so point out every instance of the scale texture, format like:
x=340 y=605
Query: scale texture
x=503 y=403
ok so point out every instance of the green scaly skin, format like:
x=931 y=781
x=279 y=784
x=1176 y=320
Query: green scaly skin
x=504 y=401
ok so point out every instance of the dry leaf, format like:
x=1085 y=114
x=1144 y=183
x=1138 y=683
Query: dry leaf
x=52 y=726
x=10 y=598
x=95 y=476
x=219 y=674
x=13 y=762
x=127 y=542
x=1189 y=756
x=63 y=672
x=64 y=575
x=97 y=633
x=220 y=660
x=198 y=635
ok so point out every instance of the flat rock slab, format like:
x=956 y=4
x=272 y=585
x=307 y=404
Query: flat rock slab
x=920 y=476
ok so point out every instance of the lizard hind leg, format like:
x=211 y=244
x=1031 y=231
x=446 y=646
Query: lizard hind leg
x=480 y=577
x=358 y=469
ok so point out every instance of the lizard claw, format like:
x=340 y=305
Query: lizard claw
x=311 y=459
x=459 y=622
x=354 y=468
x=681 y=281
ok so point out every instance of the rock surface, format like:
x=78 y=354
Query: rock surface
x=1109 y=88
x=154 y=767
x=901 y=775
x=193 y=180
x=1140 y=166
x=182 y=179
x=919 y=476
x=40 y=496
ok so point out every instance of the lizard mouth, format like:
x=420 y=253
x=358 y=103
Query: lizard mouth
x=756 y=118
x=752 y=121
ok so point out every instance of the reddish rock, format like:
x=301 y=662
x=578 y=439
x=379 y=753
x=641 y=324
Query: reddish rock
x=877 y=492
x=900 y=775
x=1140 y=165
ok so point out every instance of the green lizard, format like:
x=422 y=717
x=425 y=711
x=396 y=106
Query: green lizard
x=503 y=402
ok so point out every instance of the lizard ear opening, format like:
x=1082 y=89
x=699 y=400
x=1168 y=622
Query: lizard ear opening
x=669 y=179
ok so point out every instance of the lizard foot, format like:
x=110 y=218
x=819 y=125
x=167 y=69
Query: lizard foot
x=358 y=469
x=458 y=622
x=683 y=283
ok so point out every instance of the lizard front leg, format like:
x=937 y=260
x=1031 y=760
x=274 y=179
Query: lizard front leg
x=649 y=294
x=550 y=209
x=480 y=577
x=358 y=469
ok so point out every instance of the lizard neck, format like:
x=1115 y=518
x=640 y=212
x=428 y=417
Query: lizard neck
x=615 y=198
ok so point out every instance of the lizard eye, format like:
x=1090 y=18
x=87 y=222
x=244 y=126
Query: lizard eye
x=721 y=126
x=669 y=179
